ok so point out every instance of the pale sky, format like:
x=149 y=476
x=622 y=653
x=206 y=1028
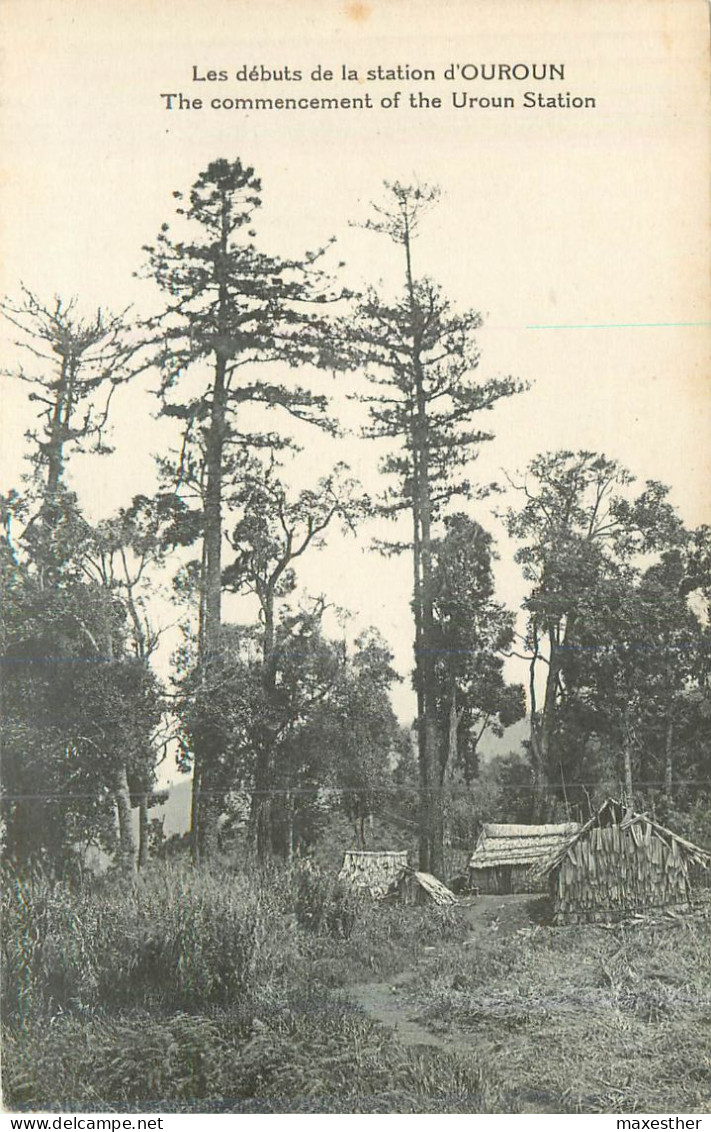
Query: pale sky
x=581 y=235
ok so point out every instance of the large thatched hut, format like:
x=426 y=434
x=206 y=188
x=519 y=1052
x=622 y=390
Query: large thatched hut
x=506 y=856
x=620 y=863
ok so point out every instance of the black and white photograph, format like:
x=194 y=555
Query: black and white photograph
x=355 y=559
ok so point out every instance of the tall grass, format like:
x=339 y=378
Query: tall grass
x=178 y=940
x=329 y=1061
x=185 y=940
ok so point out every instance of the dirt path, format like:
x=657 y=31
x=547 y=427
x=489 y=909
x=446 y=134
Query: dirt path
x=394 y=1004
x=505 y=914
x=384 y=1002
x=380 y=1002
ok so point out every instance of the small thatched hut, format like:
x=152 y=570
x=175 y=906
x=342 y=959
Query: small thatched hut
x=376 y=872
x=506 y=856
x=620 y=863
x=388 y=875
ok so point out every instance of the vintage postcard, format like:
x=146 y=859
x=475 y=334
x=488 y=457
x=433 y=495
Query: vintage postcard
x=356 y=558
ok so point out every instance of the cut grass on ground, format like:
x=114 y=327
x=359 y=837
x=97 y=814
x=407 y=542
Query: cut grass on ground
x=590 y=1019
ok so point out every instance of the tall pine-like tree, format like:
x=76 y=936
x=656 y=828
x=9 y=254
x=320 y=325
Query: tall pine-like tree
x=230 y=309
x=419 y=357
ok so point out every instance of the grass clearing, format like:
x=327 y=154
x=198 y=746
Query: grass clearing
x=588 y=1019
x=224 y=991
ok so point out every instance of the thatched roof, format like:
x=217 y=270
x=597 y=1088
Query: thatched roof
x=522 y=845
x=413 y=883
x=642 y=828
x=434 y=888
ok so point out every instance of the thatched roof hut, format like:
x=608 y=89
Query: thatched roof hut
x=506 y=856
x=374 y=871
x=389 y=875
x=617 y=864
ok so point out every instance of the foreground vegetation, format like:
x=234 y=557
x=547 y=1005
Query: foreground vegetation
x=588 y=1019
x=225 y=991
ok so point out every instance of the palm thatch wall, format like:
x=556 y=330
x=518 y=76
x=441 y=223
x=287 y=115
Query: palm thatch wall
x=620 y=863
x=506 y=856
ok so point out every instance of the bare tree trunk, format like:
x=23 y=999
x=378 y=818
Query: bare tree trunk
x=205 y=795
x=432 y=818
x=537 y=748
x=435 y=815
x=291 y=829
x=204 y=807
x=544 y=724
x=59 y=424
x=669 y=757
x=209 y=827
x=195 y=811
x=260 y=810
x=60 y=421
x=423 y=766
x=205 y=799
x=627 y=769
x=431 y=847
x=127 y=842
x=546 y=733
x=455 y=718
x=143 y=831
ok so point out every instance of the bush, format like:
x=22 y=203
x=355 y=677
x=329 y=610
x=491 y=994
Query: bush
x=324 y=904
x=193 y=990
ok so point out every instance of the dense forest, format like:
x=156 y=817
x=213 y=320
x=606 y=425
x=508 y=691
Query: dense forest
x=285 y=725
